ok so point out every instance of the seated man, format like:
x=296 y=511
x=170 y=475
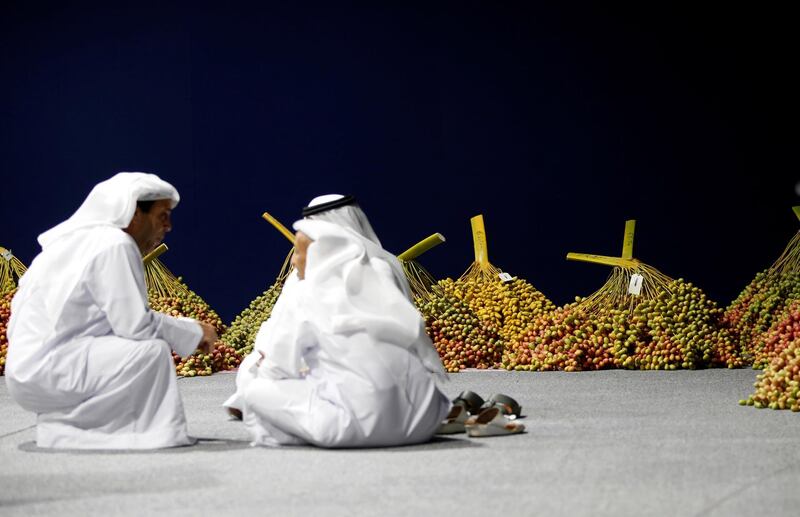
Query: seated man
x=86 y=353
x=344 y=360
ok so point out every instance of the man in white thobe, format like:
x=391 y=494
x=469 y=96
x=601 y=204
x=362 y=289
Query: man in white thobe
x=86 y=353
x=344 y=360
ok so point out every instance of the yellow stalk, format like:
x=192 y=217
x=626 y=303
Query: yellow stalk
x=421 y=247
x=481 y=269
x=479 y=240
x=155 y=253
x=281 y=228
x=627 y=242
x=602 y=259
x=287 y=266
x=420 y=281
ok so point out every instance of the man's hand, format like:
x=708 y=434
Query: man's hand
x=210 y=337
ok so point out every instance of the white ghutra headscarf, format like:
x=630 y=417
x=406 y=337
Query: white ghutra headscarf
x=341 y=210
x=113 y=203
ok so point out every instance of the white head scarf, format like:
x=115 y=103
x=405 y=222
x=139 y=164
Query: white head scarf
x=348 y=216
x=113 y=203
x=356 y=285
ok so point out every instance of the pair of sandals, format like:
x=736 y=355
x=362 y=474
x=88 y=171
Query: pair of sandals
x=478 y=418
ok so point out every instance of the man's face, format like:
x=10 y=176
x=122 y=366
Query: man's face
x=148 y=228
x=301 y=243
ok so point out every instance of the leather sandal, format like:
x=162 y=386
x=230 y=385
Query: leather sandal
x=472 y=402
x=454 y=423
x=492 y=422
x=507 y=405
x=466 y=404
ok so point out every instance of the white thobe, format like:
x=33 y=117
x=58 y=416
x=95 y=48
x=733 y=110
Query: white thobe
x=88 y=355
x=333 y=387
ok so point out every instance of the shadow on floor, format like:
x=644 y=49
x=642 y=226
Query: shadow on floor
x=222 y=445
x=203 y=445
x=437 y=443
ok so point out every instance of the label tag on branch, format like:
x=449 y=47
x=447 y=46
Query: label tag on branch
x=635 y=287
x=8 y=255
x=505 y=277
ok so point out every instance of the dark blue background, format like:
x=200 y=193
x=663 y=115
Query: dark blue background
x=556 y=123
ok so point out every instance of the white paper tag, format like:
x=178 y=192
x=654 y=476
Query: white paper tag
x=505 y=277
x=8 y=255
x=635 y=287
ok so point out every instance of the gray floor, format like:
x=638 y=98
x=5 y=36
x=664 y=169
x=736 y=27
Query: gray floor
x=601 y=443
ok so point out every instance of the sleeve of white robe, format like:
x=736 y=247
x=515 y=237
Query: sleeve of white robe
x=117 y=286
x=285 y=339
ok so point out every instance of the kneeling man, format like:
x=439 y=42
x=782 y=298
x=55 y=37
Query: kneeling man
x=86 y=353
